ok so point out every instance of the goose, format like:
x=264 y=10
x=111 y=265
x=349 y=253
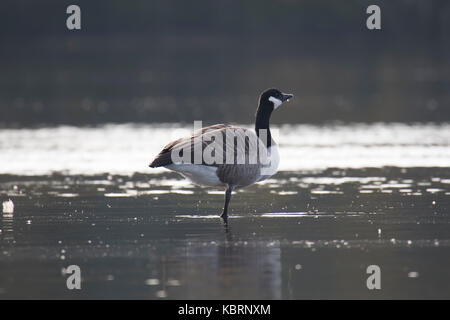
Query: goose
x=227 y=156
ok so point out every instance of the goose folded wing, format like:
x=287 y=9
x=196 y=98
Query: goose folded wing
x=208 y=142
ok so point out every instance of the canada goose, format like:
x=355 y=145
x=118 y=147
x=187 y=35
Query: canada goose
x=227 y=156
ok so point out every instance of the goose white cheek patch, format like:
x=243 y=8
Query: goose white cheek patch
x=276 y=102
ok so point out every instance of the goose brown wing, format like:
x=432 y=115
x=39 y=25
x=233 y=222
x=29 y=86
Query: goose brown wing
x=164 y=158
x=244 y=140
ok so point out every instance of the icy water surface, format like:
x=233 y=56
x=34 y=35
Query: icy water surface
x=346 y=197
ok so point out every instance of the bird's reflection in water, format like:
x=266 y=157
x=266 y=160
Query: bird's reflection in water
x=227 y=230
x=256 y=268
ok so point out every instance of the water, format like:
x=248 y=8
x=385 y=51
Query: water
x=127 y=149
x=346 y=197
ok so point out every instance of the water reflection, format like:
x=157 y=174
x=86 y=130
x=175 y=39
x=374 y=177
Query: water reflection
x=129 y=148
x=229 y=271
x=7 y=228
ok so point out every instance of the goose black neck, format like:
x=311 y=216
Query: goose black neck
x=263 y=122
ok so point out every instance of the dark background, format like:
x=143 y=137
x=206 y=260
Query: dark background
x=166 y=61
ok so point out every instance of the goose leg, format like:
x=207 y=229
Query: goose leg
x=224 y=214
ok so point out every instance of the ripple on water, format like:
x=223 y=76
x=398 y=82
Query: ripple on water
x=117 y=195
x=212 y=216
x=319 y=191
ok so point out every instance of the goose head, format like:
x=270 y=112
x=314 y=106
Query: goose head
x=271 y=99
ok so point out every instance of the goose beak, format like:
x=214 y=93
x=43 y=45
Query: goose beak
x=287 y=96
